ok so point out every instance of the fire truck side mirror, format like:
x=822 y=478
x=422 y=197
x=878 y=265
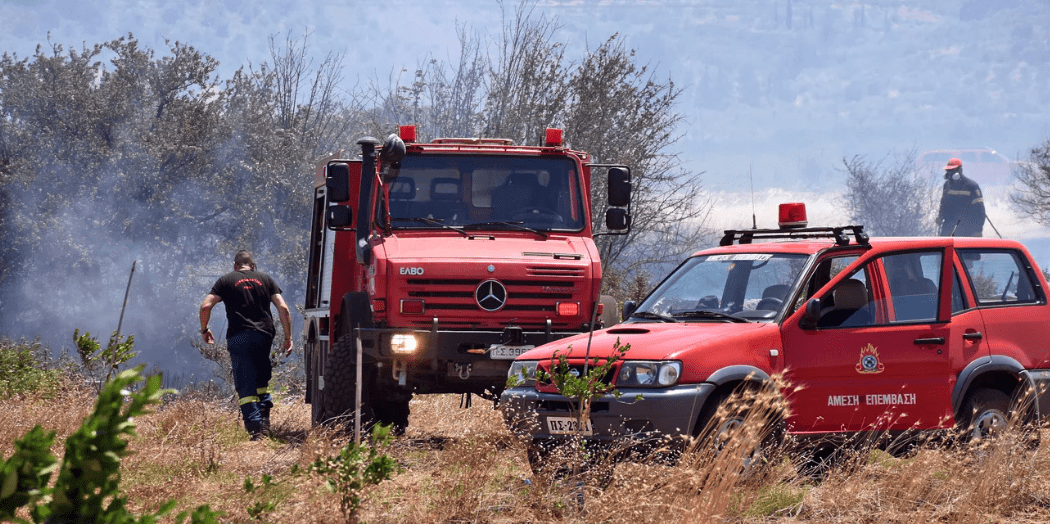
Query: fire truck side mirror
x=339 y=217
x=619 y=186
x=337 y=182
x=811 y=315
x=617 y=219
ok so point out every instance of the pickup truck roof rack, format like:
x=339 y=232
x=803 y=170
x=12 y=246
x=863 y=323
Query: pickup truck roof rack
x=746 y=236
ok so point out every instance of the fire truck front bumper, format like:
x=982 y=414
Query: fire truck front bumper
x=658 y=414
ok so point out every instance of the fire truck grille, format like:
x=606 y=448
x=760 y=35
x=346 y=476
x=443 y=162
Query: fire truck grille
x=522 y=296
x=555 y=271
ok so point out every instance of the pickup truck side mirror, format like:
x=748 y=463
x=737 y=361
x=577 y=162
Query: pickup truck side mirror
x=628 y=307
x=339 y=217
x=811 y=315
x=617 y=219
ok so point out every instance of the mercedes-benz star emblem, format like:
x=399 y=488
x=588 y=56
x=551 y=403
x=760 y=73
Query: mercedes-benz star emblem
x=490 y=295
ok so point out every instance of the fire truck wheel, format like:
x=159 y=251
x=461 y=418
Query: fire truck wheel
x=985 y=414
x=610 y=311
x=340 y=390
x=317 y=413
x=394 y=413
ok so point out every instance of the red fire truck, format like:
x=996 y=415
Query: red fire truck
x=441 y=262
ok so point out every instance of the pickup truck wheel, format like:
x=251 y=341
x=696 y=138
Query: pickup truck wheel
x=340 y=390
x=717 y=428
x=985 y=414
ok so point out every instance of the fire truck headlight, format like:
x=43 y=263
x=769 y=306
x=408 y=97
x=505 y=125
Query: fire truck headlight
x=403 y=344
x=649 y=373
x=522 y=373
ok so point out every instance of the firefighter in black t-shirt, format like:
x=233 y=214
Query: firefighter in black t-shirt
x=247 y=294
x=962 y=204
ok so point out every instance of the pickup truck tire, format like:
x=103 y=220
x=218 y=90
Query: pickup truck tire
x=984 y=413
x=715 y=429
x=393 y=413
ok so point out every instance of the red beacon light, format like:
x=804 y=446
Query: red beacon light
x=793 y=215
x=553 y=137
x=407 y=133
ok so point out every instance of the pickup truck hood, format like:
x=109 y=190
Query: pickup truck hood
x=666 y=341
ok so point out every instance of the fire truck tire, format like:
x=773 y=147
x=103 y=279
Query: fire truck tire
x=340 y=390
x=316 y=396
x=610 y=311
x=394 y=413
x=984 y=413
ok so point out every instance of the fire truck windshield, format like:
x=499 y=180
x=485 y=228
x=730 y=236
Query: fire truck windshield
x=491 y=192
x=730 y=287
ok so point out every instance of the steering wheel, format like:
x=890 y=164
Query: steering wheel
x=769 y=303
x=541 y=213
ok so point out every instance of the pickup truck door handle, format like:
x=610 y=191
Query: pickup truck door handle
x=973 y=336
x=932 y=340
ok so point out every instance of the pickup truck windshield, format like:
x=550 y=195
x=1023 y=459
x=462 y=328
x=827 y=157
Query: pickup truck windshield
x=494 y=192
x=725 y=288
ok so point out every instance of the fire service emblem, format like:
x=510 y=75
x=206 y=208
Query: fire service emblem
x=869 y=360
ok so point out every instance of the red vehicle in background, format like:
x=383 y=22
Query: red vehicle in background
x=441 y=262
x=880 y=336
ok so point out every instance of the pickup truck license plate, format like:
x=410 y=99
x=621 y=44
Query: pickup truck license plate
x=501 y=352
x=568 y=426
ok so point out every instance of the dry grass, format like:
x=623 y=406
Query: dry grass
x=462 y=465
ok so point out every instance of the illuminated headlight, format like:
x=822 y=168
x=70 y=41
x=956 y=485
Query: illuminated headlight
x=403 y=344
x=522 y=373
x=649 y=373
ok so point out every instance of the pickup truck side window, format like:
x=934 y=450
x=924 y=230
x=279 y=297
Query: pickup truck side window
x=958 y=299
x=826 y=270
x=999 y=277
x=913 y=278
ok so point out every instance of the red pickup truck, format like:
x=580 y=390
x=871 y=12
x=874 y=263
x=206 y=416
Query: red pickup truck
x=872 y=334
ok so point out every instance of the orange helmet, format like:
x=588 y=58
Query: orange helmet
x=953 y=163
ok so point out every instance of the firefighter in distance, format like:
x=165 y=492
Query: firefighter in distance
x=962 y=205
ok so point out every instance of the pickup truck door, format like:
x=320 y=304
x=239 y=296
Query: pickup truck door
x=885 y=370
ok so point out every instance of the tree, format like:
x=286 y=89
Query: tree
x=889 y=198
x=1034 y=177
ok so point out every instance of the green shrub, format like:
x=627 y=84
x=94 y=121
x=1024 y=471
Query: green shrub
x=24 y=368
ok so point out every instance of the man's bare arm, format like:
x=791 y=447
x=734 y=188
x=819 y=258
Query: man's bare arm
x=286 y=321
x=205 y=313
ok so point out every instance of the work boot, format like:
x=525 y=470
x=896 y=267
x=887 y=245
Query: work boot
x=265 y=404
x=253 y=421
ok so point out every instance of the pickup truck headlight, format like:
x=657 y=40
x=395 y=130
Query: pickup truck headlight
x=649 y=373
x=522 y=373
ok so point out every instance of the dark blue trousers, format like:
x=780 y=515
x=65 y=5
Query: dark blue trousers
x=250 y=358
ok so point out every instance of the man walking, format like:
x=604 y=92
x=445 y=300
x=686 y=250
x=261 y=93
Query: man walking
x=962 y=205
x=247 y=294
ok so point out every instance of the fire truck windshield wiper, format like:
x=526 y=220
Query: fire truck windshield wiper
x=715 y=315
x=516 y=225
x=433 y=222
x=653 y=316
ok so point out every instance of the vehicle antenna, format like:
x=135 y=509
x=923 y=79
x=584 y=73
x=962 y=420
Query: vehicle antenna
x=754 y=221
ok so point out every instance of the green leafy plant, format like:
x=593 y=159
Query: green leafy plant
x=357 y=467
x=87 y=486
x=582 y=389
x=24 y=369
x=97 y=361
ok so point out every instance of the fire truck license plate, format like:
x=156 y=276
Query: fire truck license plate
x=501 y=352
x=568 y=426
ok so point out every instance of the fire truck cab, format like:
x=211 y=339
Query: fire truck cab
x=443 y=261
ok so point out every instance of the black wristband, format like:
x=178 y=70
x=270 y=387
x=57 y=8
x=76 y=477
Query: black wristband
x=205 y=330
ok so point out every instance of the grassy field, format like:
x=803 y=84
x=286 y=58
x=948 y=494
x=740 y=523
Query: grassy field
x=463 y=465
